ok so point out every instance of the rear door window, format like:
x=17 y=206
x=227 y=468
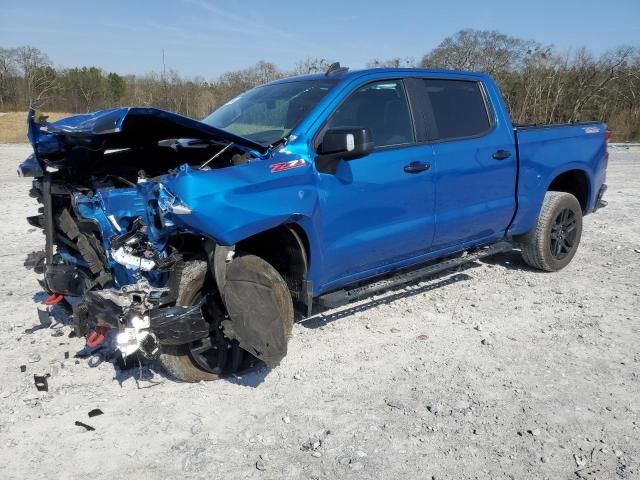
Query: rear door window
x=380 y=106
x=457 y=109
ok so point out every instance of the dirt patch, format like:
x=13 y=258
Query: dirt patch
x=13 y=125
x=495 y=371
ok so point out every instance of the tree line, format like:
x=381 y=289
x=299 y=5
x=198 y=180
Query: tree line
x=540 y=84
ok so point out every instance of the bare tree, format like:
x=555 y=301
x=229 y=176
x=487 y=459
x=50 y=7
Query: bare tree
x=481 y=50
x=8 y=76
x=311 y=65
x=397 y=62
x=40 y=79
x=593 y=76
x=539 y=84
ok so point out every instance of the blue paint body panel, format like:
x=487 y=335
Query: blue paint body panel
x=368 y=218
x=547 y=152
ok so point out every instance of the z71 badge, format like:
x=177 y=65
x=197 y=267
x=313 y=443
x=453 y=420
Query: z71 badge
x=282 y=166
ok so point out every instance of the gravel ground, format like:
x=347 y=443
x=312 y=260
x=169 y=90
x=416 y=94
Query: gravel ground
x=495 y=371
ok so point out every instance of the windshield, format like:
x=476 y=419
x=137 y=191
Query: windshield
x=268 y=113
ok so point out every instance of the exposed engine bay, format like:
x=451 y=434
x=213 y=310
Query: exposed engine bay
x=117 y=244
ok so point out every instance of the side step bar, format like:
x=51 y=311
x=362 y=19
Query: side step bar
x=344 y=296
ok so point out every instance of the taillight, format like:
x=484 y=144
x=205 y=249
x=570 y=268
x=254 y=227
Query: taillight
x=607 y=136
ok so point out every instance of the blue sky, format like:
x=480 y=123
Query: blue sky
x=209 y=37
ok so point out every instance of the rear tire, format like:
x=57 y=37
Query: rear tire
x=554 y=240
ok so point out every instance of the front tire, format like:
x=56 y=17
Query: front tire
x=218 y=356
x=554 y=240
x=176 y=360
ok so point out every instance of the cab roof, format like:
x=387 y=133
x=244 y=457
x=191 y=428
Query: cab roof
x=349 y=74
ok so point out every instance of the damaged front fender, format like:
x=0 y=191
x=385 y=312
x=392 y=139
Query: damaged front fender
x=230 y=205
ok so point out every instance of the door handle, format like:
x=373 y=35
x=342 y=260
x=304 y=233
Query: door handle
x=501 y=155
x=417 y=167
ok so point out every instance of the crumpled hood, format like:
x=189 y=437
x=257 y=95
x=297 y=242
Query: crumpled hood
x=116 y=128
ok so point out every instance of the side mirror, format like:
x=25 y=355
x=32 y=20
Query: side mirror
x=346 y=142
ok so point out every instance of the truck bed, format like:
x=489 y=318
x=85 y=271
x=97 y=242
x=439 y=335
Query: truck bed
x=547 y=151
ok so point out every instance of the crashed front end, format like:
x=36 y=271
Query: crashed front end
x=115 y=249
x=114 y=239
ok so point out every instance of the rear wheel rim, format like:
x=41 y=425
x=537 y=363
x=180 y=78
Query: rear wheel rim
x=564 y=232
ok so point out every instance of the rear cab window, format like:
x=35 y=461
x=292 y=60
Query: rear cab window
x=456 y=109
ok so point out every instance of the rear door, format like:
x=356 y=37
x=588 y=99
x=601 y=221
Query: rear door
x=475 y=162
x=376 y=210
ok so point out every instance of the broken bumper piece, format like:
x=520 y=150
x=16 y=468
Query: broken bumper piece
x=133 y=338
x=162 y=326
x=66 y=280
x=139 y=315
x=178 y=325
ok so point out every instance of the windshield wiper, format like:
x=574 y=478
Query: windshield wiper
x=278 y=143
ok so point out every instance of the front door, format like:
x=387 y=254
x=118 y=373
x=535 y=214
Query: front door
x=376 y=210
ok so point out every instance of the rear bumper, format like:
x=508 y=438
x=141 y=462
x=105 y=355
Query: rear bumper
x=599 y=201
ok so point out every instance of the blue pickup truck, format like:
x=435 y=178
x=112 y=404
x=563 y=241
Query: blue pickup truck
x=200 y=242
